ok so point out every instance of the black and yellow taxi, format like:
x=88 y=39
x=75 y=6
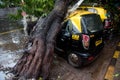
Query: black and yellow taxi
x=104 y=15
x=96 y=9
x=80 y=38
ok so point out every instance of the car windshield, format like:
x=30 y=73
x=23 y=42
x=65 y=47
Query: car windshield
x=92 y=22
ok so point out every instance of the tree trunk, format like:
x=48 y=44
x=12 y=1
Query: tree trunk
x=39 y=58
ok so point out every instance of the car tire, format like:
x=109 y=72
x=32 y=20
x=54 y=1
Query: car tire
x=74 y=59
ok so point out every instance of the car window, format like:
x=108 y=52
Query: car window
x=84 y=29
x=64 y=25
x=92 y=22
x=71 y=28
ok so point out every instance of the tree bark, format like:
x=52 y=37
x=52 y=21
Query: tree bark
x=39 y=58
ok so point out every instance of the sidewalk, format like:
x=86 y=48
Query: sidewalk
x=113 y=72
x=117 y=66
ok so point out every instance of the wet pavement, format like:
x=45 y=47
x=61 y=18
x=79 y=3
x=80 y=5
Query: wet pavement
x=95 y=71
x=117 y=65
x=11 y=49
x=11 y=45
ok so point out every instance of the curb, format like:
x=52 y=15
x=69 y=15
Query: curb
x=111 y=68
x=7 y=32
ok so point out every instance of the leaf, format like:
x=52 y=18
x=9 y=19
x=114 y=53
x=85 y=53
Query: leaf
x=116 y=75
x=39 y=9
x=40 y=78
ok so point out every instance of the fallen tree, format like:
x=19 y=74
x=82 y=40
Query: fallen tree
x=37 y=61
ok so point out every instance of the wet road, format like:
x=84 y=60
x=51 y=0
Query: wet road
x=95 y=71
x=11 y=48
x=11 y=45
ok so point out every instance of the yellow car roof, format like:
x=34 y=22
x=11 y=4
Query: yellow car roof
x=100 y=10
x=75 y=17
x=79 y=13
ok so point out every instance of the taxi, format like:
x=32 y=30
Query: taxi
x=80 y=39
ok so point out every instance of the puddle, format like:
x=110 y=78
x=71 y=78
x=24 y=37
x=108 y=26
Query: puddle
x=8 y=59
x=2 y=76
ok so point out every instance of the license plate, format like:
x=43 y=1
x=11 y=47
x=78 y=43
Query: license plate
x=98 y=42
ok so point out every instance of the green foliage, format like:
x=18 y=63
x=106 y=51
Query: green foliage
x=116 y=75
x=43 y=7
x=2 y=5
x=9 y=3
x=31 y=7
x=16 y=16
x=37 y=7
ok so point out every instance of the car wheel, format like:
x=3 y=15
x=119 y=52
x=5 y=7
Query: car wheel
x=74 y=60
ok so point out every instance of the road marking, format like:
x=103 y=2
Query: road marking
x=109 y=74
x=110 y=71
x=116 y=54
x=119 y=44
x=10 y=31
